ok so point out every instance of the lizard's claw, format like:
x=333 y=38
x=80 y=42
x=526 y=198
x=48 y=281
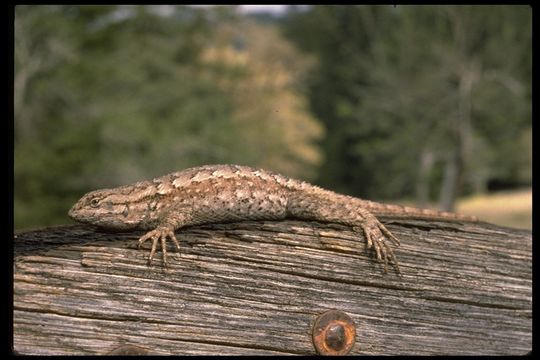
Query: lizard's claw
x=376 y=234
x=157 y=235
x=389 y=234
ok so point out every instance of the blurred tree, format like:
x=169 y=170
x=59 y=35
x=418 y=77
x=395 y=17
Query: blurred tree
x=341 y=38
x=106 y=95
x=476 y=38
x=268 y=105
x=46 y=45
x=415 y=96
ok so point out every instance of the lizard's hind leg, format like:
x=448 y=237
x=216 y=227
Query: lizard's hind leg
x=346 y=210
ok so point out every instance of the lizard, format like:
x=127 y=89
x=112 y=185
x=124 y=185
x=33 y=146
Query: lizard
x=224 y=193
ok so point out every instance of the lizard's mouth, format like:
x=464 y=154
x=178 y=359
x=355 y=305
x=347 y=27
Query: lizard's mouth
x=104 y=220
x=72 y=213
x=79 y=215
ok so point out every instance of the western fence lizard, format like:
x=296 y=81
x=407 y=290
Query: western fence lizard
x=220 y=193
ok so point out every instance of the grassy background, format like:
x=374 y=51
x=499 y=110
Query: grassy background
x=504 y=208
x=511 y=208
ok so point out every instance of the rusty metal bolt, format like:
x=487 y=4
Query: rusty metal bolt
x=124 y=350
x=333 y=333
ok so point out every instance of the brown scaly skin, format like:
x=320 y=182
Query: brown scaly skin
x=221 y=193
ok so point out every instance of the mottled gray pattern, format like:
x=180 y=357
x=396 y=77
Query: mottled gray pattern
x=221 y=193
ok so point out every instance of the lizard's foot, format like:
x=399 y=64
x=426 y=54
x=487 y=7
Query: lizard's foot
x=376 y=234
x=156 y=235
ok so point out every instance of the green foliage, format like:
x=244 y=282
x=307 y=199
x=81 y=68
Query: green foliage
x=107 y=95
x=394 y=83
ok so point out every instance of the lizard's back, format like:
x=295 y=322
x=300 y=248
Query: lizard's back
x=242 y=192
x=228 y=192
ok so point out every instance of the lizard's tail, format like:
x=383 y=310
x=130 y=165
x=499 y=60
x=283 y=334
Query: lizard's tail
x=398 y=211
x=378 y=209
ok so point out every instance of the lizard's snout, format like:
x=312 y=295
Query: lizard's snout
x=72 y=213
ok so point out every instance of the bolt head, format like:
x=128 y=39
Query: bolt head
x=333 y=333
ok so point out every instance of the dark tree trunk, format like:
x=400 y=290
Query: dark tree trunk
x=427 y=159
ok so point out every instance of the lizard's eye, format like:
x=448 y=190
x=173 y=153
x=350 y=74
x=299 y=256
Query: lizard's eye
x=94 y=202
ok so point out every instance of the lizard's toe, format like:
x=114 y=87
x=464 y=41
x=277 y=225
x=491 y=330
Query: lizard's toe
x=388 y=234
x=149 y=235
x=376 y=239
x=159 y=236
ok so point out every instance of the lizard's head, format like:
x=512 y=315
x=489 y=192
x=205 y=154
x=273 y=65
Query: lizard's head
x=123 y=208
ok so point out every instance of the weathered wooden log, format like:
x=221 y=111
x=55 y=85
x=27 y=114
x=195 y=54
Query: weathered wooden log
x=258 y=287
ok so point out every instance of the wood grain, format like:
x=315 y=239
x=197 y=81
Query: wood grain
x=257 y=288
